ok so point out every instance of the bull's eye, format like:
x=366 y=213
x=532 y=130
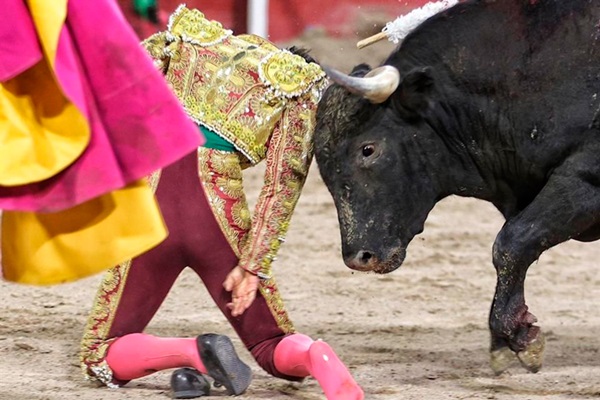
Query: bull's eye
x=368 y=150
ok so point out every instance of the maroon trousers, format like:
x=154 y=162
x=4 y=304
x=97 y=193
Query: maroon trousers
x=195 y=240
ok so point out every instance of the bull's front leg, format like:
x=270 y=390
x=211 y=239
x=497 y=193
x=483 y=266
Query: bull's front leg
x=511 y=324
x=567 y=206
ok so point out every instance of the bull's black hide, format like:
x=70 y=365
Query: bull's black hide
x=497 y=100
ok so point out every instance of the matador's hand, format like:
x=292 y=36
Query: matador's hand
x=243 y=286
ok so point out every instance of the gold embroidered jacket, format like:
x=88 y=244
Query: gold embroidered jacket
x=258 y=97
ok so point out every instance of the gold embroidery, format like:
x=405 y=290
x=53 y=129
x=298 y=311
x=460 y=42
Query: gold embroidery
x=95 y=342
x=217 y=82
x=270 y=292
x=258 y=41
x=241 y=215
x=262 y=100
x=289 y=74
x=226 y=164
x=220 y=173
x=193 y=27
x=288 y=161
x=231 y=187
x=155 y=46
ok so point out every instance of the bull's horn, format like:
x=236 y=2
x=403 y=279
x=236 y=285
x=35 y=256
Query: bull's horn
x=376 y=86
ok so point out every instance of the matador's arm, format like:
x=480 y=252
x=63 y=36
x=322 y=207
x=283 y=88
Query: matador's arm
x=289 y=156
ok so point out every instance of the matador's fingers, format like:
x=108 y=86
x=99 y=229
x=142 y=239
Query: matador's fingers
x=241 y=303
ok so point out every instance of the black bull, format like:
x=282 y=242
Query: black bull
x=497 y=100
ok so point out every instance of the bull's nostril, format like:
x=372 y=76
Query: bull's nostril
x=362 y=260
x=364 y=257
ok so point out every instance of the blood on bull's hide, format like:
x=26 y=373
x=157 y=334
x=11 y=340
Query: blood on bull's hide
x=496 y=100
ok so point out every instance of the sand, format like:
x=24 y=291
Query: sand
x=417 y=333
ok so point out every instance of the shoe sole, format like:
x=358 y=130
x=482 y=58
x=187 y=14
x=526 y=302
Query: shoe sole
x=223 y=364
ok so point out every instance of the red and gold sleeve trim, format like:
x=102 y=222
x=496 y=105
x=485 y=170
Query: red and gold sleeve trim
x=288 y=161
x=220 y=173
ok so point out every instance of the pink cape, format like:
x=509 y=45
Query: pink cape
x=137 y=124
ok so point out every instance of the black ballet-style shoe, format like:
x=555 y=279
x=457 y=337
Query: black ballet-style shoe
x=223 y=364
x=187 y=383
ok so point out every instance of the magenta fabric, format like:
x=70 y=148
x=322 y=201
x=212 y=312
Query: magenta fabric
x=19 y=47
x=137 y=124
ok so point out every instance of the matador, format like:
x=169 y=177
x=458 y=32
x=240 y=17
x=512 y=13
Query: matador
x=253 y=102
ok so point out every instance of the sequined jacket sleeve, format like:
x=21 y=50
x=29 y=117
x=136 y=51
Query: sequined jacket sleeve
x=288 y=160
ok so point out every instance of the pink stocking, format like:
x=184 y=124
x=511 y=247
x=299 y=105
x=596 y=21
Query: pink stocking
x=299 y=355
x=135 y=355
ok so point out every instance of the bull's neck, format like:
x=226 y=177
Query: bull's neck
x=477 y=136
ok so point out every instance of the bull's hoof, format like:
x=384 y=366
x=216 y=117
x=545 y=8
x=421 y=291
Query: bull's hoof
x=531 y=358
x=501 y=359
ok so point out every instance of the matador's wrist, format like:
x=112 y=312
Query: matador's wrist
x=258 y=272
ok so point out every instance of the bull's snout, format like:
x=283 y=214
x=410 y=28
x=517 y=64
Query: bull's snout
x=368 y=260
x=363 y=260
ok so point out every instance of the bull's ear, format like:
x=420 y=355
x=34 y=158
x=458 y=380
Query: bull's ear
x=415 y=92
x=360 y=70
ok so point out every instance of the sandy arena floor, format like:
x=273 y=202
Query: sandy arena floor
x=417 y=333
